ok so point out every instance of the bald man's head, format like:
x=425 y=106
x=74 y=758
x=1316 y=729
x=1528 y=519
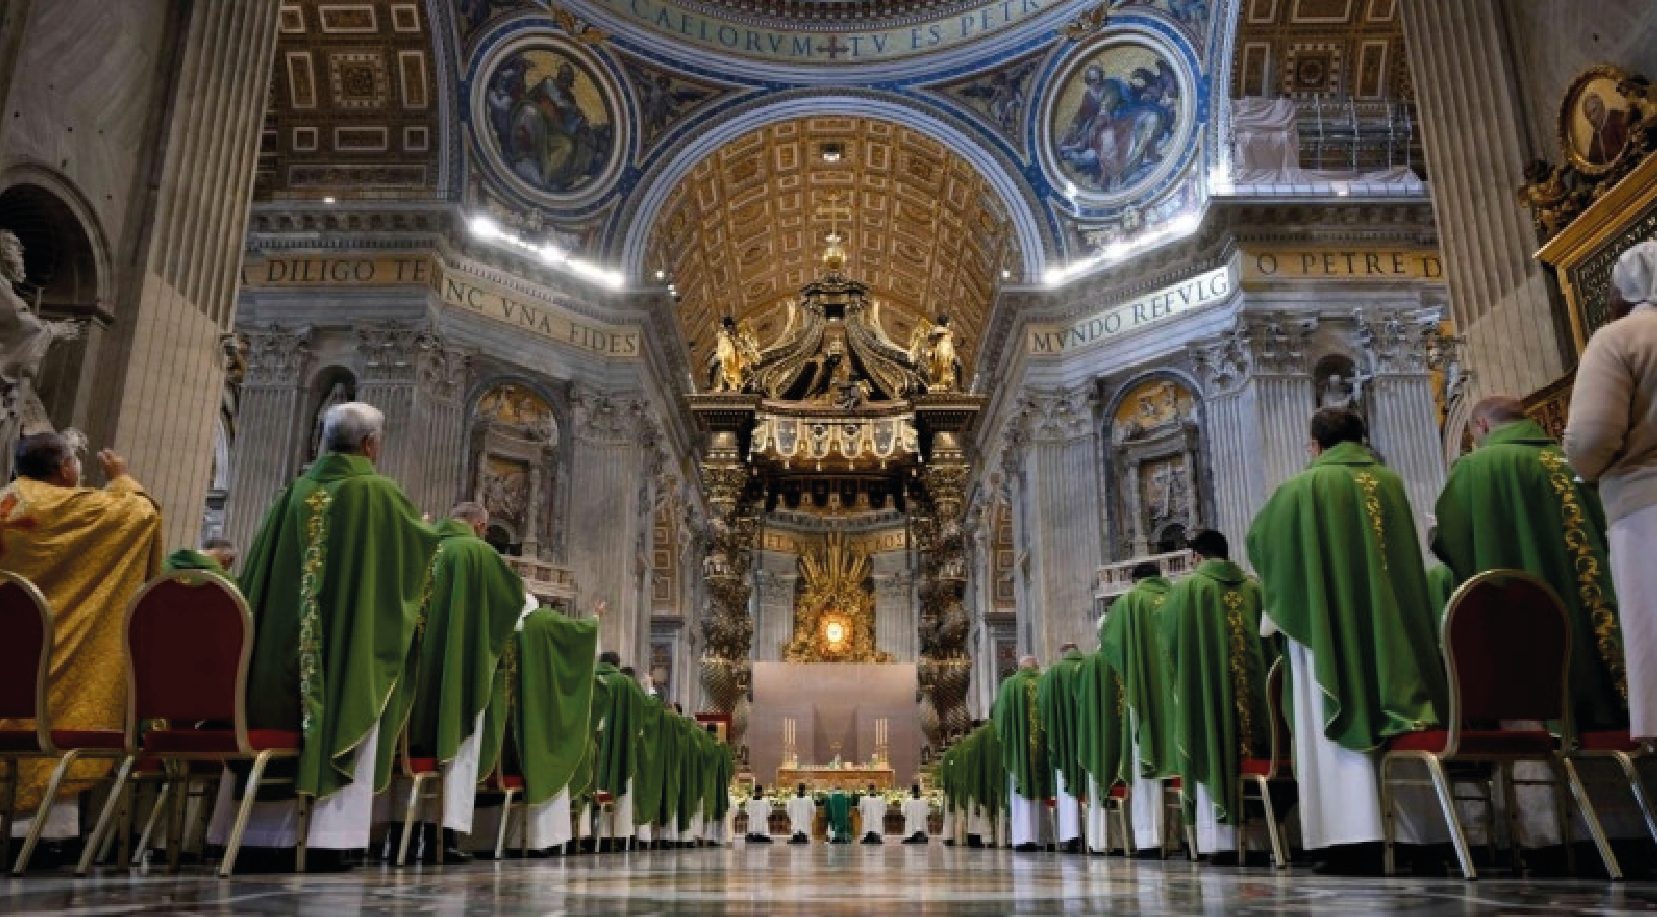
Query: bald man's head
x=1027 y=662
x=1493 y=412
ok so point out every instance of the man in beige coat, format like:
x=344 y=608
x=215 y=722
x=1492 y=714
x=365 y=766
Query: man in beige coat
x=1611 y=439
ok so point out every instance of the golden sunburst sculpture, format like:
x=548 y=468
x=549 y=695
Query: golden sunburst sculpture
x=834 y=616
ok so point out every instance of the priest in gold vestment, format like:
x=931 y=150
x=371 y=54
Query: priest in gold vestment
x=88 y=551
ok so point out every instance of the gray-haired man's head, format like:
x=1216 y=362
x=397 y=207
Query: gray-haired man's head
x=353 y=428
x=473 y=514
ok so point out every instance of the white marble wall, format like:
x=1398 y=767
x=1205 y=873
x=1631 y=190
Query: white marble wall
x=776 y=576
x=896 y=625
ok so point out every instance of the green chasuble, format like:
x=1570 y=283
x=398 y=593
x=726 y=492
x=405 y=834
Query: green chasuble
x=336 y=579
x=1101 y=705
x=1060 y=718
x=648 y=778
x=1515 y=503
x=1341 y=567
x=1131 y=644
x=473 y=609
x=987 y=770
x=1441 y=584
x=191 y=559
x=1211 y=625
x=838 y=808
x=618 y=744
x=554 y=657
x=716 y=778
x=1018 y=725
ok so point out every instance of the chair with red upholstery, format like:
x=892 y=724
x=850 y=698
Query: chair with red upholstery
x=25 y=672
x=1259 y=774
x=189 y=642
x=1507 y=647
x=1116 y=805
x=509 y=784
x=419 y=771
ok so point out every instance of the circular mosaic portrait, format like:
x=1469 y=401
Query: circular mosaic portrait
x=548 y=119
x=1119 y=120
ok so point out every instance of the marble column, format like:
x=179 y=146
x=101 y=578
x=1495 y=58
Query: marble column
x=1403 y=417
x=604 y=514
x=270 y=427
x=1059 y=529
x=387 y=353
x=1233 y=431
x=896 y=628
x=160 y=394
x=436 y=465
x=776 y=574
x=1471 y=118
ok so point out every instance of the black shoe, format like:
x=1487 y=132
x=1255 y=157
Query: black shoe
x=1363 y=860
x=1026 y=848
x=1148 y=853
x=974 y=841
x=325 y=860
x=1074 y=845
x=871 y=838
x=263 y=860
x=1228 y=858
x=799 y=838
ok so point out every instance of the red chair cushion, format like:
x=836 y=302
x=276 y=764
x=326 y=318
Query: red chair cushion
x=216 y=741
x=15 y=740
x=422 y=765
x=1118 y=791
x=512 y=782
x=1173 y=783
x=1608 y=740
x=1261 y=766
x=1478 y=742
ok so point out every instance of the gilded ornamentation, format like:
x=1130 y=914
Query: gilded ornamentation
x=310 y=613
x=1239 y=668
x=1370 y=485
x=1090 y=21
x=1033 y=716
x=1588 y=571
x=834 y=618
x=1607 y=126
x=932 y=350
x=735 y=356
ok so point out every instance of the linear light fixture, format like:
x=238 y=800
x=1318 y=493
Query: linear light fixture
x=486 y=229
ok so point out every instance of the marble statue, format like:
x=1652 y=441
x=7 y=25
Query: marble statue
x=735 y=355
x=1342 y=392
x=24 y=340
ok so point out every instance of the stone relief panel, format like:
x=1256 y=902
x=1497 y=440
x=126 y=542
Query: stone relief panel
x=514 y=436
x=1155 y=441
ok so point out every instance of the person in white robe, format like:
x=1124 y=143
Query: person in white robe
x=1146 y=805
x=916 y=811
x=802 y=816
x=758 y=809
x=872 y=809
x=1098 y=830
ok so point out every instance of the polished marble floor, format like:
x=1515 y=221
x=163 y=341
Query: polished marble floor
x=816 y=880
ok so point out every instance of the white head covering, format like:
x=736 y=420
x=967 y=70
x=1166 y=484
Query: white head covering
x=1635 y=275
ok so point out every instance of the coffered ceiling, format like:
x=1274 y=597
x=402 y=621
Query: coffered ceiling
x=744 y=230
x=1321 y=47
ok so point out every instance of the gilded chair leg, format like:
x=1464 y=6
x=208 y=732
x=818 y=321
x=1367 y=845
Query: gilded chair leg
x=244 y=812
x=307 y=807
x=506 y=817
x=156 y=809
x=1590 y=817
x=1562 y=814
x=95 y=843
x=408 y=817
x=38 y=824
x=8 y=812
x=1389 y=863
x=1636 y=785
x=1274 y=829
x=437 y=835
x=1447 y=801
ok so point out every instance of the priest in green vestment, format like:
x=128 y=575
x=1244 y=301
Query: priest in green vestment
x=1210 y=624
x=471 y=613
x=1131 y=643
x=618 y=742
x=217 y=555
x=1340 y=564
x=544 y=697
x=1515 y=503
x=1017 y=721
x=649 y=779
x=837 y=808
x=1101 y=702
x=1056 y=696
x=337 y=578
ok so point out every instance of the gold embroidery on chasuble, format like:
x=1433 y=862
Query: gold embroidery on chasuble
x=1034 y=716
x=310 y=614
x=1239 y=668
x=1372 y=508
x=1588 y=571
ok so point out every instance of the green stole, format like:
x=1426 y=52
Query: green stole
x=1130 y=642
x=1018 y=725
x=1211 y=625
x=191 y=559
x=1101 y=704
x=336 y=579
x=618 y=744
x=474 y=605
x=1060 y=721
x=1515 y=503
x=1338 y=558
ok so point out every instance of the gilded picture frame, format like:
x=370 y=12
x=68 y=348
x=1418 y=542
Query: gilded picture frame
x=1596 y=120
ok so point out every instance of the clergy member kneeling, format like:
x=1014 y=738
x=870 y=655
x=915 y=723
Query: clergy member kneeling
x=872 y=809
x=1338 y=556
x=1023 y=754
x=802 y=815
x=1210 y=625
x=472 y=612
x=759 y=817
x=916 y=810
x=336 y=579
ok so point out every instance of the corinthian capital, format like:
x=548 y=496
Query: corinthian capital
x=606 y=419
x=1398 y=341
x=1223 y=363
x=1056 y=415
x=1277 y=342
x=389 y=351
x=442 y=369
x=275 y=356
